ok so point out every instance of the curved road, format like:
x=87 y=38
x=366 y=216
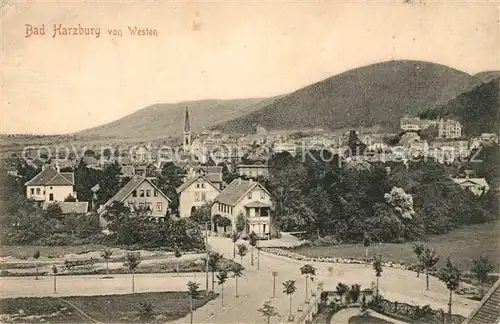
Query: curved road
x=255 y=287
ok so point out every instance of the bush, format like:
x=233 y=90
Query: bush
x=55 y=239
x=145 y=311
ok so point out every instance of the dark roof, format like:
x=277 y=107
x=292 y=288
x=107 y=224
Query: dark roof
x=80 y=207
x=129 y=187
x=235 y=190
x=488 y=311
x=51 y=177
x=192 y=180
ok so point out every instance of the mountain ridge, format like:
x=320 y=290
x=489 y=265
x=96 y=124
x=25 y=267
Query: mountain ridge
x=376 y=94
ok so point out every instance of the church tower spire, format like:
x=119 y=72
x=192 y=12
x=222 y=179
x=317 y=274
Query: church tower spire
x=186 y=143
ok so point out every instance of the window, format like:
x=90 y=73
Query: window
x=159 y=206
x=134 y=193
x=250 y=195
x=141 y=193
x=203 y=185
x=196 y=196
x=197 y=185
x=155 y=193
x=50 y=188
x=148 y=193
x=203 y=196
x=37 y=191
x=51 y=197
x=262 y=195
x=32 y=191
x=149 y=207
x=141 y=205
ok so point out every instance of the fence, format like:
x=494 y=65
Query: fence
x=425 y=314
x=311 y=309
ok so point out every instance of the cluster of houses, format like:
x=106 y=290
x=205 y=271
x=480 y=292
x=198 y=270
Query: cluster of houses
x=204 y=184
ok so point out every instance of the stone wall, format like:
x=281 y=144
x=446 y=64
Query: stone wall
x=310 y=310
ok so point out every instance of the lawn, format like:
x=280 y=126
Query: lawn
x=24 y=252
x=462 y=245
x=367 y=319
x=167 y=306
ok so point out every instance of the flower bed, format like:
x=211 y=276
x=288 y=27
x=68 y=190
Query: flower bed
x=297 y=256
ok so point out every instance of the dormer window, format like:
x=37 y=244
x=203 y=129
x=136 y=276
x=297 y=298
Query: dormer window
x=250 y=195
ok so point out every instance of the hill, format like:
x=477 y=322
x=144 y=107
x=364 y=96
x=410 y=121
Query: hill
x=377 y=94
x=487 y=75
x=162 y=120
x=477 y=109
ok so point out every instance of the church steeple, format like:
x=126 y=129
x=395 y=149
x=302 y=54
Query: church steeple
x=187 y=127
x=186 y=142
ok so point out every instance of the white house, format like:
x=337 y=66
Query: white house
x=50 y=185
x=195 y=192
x=248 y=198
x=477 y=186
x=140 y=193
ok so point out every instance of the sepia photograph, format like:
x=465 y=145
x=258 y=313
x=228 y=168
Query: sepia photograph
x=251 y=162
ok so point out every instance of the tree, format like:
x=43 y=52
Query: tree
x=213 y=264
x=177 y=254
x=366 y=242
x=193 y=293
x=54 y=272
x=308 y=271
x=267 y=310
x=252 y=240
x=106 y=255
x=242 y=251
x=481 y=269
x=354 y=293
x=36 y=255
x=377 y=267
x=202 y=214
x=132 y=262
x=418 y=249
x=237 y=273
x=53 y=211
x=224 y=222
x=428 y=261
x=240 y=222
x=70 y=198
x=221 y=279
x=289 y=289
x=235 y=236
x=450 y=276
x=341 y=289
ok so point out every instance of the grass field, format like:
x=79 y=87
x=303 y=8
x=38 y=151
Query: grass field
x=24 y=252
x=167 y=306
x=462 y=245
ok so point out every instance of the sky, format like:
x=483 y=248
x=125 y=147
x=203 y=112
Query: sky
x=216 y=50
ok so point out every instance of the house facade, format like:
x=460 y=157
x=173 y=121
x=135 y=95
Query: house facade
x=50 y=185
x=194 y=193
x=478 y=186
x=140 y=194
x=249 y=199
x=253 y=170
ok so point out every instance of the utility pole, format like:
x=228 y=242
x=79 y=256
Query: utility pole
x=208 y=256
x=274 y=273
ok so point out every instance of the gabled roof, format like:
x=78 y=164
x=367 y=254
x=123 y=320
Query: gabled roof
x=124 y=192
x=78 y=207
x=488 y=311
x=51 y=177
x=191 y=180
x=481 y=182
x=236 y=190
